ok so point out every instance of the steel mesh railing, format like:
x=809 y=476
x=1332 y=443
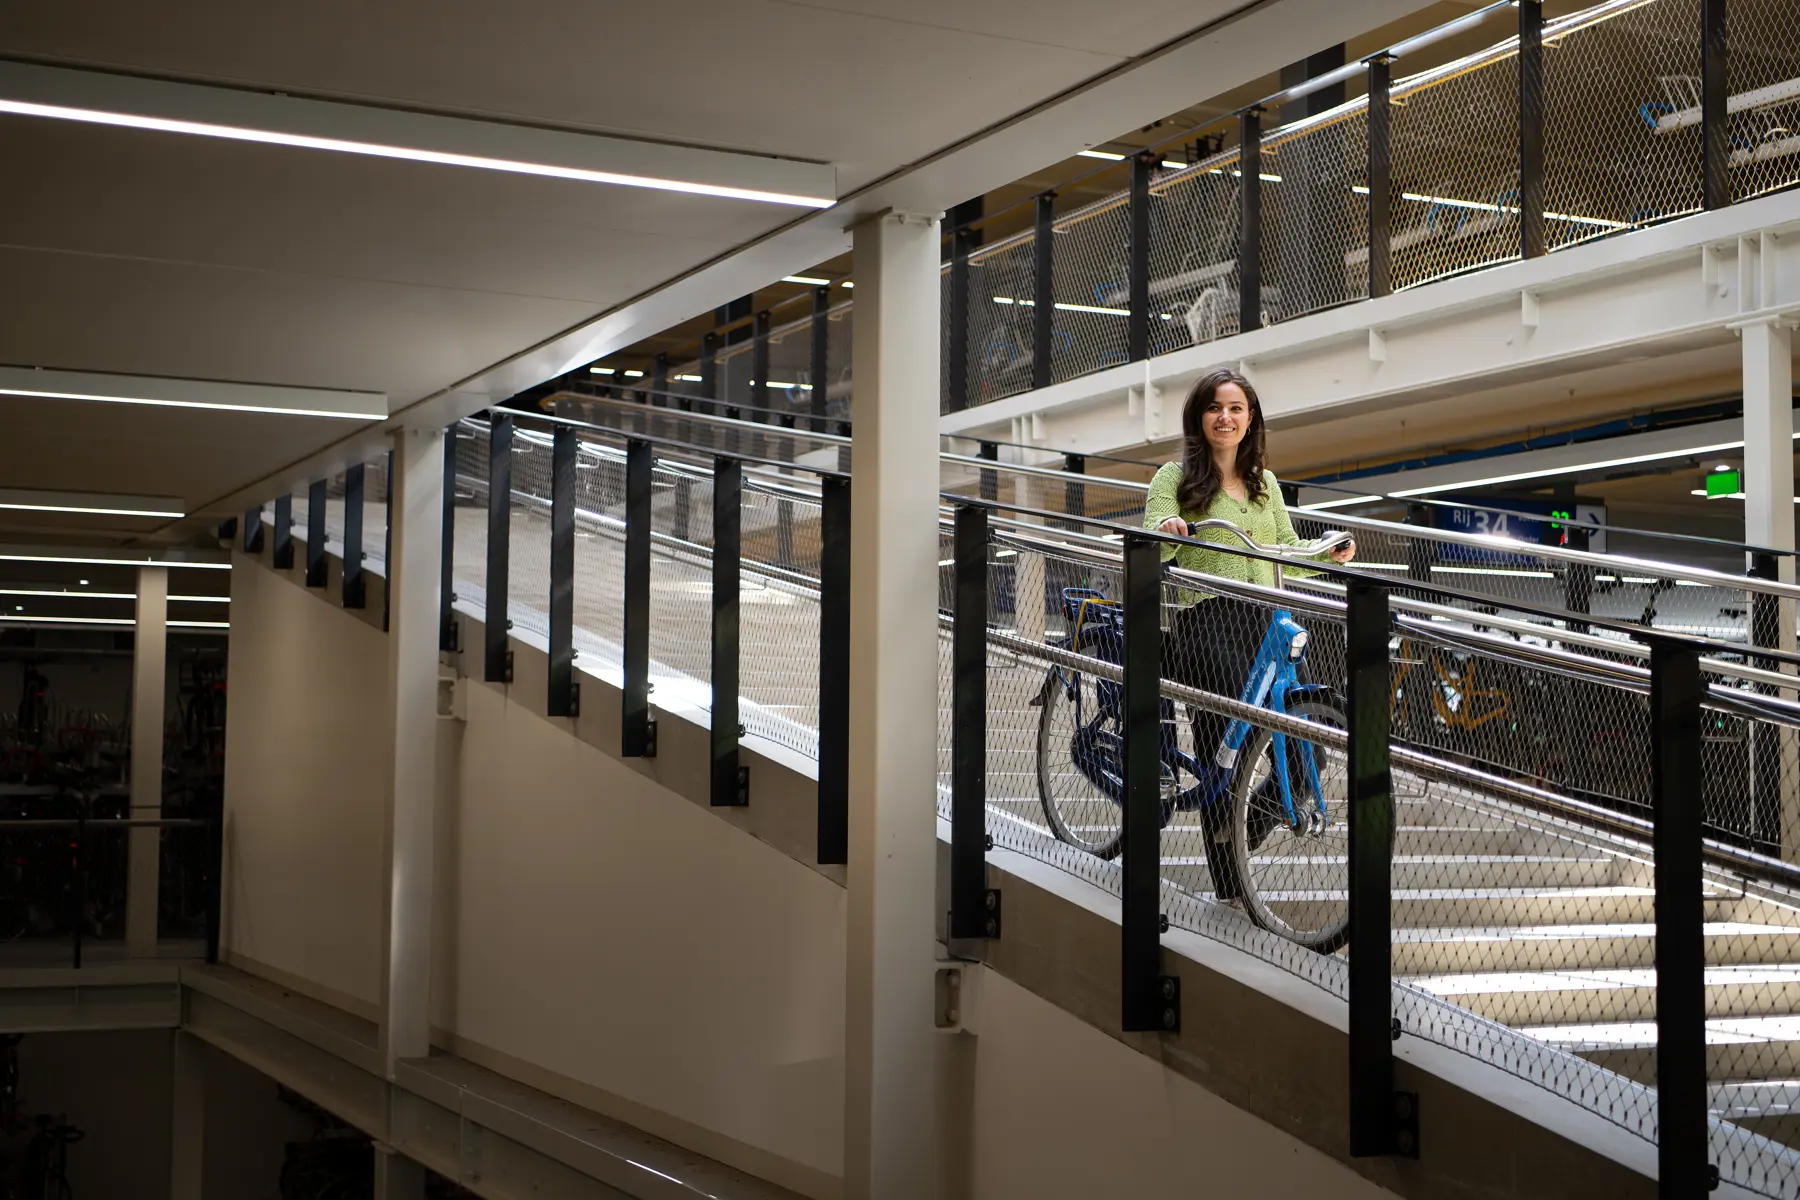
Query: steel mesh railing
x=1621 y=145
x=1521 y=930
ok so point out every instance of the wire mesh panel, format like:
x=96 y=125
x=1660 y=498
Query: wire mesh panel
x=837 y=361
x=1454 y=149
x=1091 y=288
x=1316 y=214
x=528 y=577
x=681 y=583
x=1763 y=67
x=1002 y=279
x=779 y=619
x=600 y=555
x=1612 y=76
x=469 y=547
x=1194 y=215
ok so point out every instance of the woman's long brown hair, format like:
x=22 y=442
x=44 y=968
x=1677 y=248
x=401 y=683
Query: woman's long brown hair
x=1200 y=482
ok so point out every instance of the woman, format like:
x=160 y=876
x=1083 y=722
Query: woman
x=1222 y=475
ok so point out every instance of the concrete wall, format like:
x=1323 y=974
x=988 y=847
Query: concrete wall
x=115 y=1086
x=1063 y=1110
x=305 y=791
x=610 y=941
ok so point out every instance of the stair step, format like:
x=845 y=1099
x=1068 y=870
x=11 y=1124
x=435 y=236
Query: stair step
x=1575 y=997
x=1738 y=1049
x=1411 y=872
x=1453 y=951
x=1414 y=908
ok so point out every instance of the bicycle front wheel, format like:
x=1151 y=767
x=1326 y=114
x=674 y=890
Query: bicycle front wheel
x=1295 y=881
x=1080 y=764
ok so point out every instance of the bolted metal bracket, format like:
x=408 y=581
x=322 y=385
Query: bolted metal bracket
x=650 y=738
x=1406 y=1124
x=743 y=787
x=990 y=908
x=575 y=699
x=509 y=664
x=1168 y=991
x=948 y=990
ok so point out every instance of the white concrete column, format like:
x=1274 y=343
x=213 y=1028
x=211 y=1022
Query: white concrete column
x=1769 y=507
x=187 y=1135
x=149 y=679
x=1769 y=439
x=413 y=580
x=889 y=1067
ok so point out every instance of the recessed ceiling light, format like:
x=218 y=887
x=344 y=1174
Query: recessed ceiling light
x=84 y=583
x=94 y=97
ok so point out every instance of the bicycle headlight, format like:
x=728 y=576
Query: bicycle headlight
x=1297 y=646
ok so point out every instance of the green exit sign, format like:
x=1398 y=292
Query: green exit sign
x=1724 y=483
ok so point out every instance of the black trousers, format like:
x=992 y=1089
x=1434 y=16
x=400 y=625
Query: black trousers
x=1210 y=645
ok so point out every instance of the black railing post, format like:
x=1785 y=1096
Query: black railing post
x=1676 y=688
x=820 y=357
x=1715 y=132
x=565 y=693
x=355 y=593
x=281 y=557
x=1765 y=739
x=709 y=387
x=636 y=731
x=958 y=321
x=215 y=883
x=1531 y=129
x=834 y=669
x=1420 y=552
x=1074 y=493
x=760 y=395
x=387 y=542
x=78 y=895
x=1152 y=1000
x=1381 y=1122
x=659 y=382
x=497 y=662
x=1250 y=220
x=990 y=479
x=974 y=911
x=1381 y=177
x=253 y=530
x=1138 y=268
x=730 y=782
x=1043 y=292
x=448 y=639
x=316 y=563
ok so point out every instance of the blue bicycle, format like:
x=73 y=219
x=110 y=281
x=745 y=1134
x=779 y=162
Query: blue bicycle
x=1270 y=808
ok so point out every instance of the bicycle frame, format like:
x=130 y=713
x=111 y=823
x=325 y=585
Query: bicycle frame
x=1273 y=679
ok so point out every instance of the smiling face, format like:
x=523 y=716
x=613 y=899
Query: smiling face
x=1227 y=418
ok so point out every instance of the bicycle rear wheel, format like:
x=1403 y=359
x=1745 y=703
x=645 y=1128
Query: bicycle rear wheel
x=1080 y=763
x=1295 y=883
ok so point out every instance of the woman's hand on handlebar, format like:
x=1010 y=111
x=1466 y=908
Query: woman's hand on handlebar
x=1174 y=525
x=1344 y=553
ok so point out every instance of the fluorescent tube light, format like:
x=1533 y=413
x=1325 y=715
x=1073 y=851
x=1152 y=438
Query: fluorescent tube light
x=37 y=620
x=67 y=595
x=848 y=284
x=1107 y=155
x=89 y=503
x=84 y=560
x=600 y=370
x=1086 y=308
x=92 y=97
x=806 y=279
x=634 y=374
x=689 y=379
x=191 y=393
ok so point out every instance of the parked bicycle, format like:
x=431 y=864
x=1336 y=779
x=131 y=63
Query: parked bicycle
x=1272 y=807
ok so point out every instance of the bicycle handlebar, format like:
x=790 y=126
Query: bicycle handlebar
x=1330 y=540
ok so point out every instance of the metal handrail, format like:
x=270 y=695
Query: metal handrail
x=1563 y=554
